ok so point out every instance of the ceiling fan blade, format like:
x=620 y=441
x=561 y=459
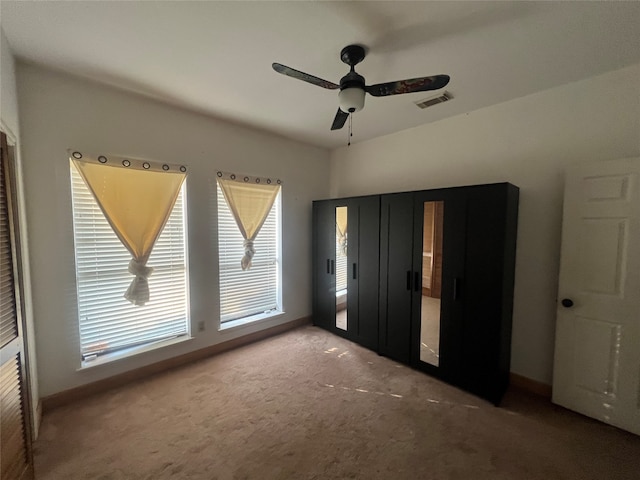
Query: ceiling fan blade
x=408 y=86
x=291 y=72
x=338 y=122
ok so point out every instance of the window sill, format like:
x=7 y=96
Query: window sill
x=130 y=352
x=253 y=319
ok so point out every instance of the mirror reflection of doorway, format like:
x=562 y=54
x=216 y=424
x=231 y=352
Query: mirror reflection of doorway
x=341 y=268
x=431 y=282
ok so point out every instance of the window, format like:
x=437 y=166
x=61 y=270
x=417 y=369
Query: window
x=108 y=322
x=244 y=293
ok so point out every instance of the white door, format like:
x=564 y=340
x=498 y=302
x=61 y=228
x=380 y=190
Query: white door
x=597 y=351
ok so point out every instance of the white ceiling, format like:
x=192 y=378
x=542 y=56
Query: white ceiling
x=215 y=57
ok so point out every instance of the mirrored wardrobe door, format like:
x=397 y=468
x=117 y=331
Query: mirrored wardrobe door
x=439 y=264
x=431 y=282
x=341 y=266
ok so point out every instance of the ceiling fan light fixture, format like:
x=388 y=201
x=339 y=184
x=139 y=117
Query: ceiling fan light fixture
x=353 y=86
x=351 y=99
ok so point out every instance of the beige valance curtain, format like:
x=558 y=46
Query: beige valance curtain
x=250 y=200
x=341 y=224
x=137 y=198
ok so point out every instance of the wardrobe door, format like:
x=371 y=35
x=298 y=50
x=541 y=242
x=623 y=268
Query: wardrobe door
x=396 y=275
x=363 y=268
x=439 y=239
x=324 y=257
x=488 y=300
x=346 y=237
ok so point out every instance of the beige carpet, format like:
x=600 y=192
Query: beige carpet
x=310 y=405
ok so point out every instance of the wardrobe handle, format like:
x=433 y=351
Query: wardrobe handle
x=354 y=271
x=456 y=288
x=416 y=281
x=333 y=267
x=409 y=280
x=328 y=266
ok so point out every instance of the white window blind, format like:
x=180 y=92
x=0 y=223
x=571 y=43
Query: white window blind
x=341 y=265
x=248 y=292
x=108 y=322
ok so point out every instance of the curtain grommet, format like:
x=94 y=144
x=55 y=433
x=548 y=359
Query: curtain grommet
x=165 y=167
x=126 y=163
x=76 y=155
x=183 y=168
x=146 y=165
x=102 y=159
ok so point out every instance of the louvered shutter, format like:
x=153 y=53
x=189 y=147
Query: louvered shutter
x=13 y=452
x=8 y=318
x=247 y=292
x=108 y=322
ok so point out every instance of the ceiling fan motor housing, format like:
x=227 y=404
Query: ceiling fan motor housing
x=352 y=92
x=353 y=54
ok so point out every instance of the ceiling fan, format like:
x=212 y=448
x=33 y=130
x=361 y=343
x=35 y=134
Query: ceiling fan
x=352 y=86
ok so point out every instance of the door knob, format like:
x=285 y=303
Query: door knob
x=567 y=303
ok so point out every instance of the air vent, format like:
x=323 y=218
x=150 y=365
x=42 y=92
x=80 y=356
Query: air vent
x=430 y=102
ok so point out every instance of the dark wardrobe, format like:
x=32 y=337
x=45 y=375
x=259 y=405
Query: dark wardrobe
x=346 y=267
x=425 y=278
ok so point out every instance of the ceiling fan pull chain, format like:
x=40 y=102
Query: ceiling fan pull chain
x=349 y=132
